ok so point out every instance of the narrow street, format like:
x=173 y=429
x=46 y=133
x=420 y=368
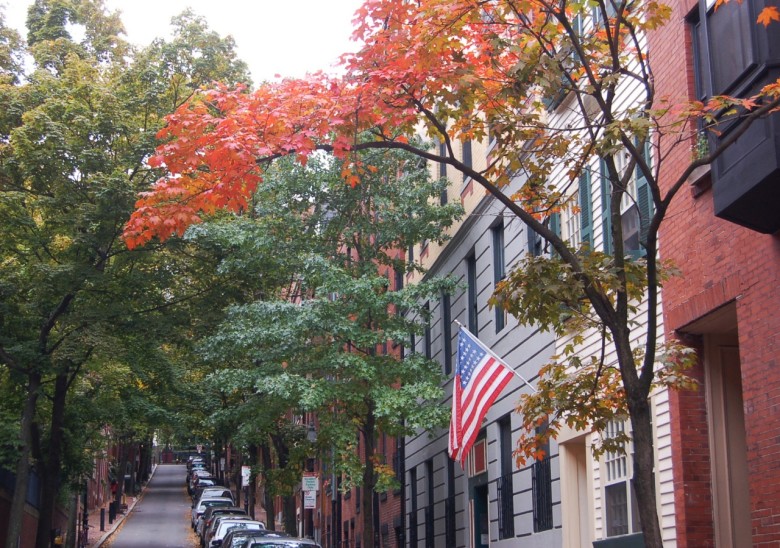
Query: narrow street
x=161 y=517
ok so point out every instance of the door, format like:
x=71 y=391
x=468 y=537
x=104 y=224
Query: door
x=728 y=448
x=481 y=518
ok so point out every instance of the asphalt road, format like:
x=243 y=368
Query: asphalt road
x=161 y=519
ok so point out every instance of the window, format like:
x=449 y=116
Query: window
x=576 y=219
x=466 y=145
x=636 y=205
x=413 y=505
x=621 y=517
x=449 y=508
x=399 y=280
x=429 y=532
x=478 y=459
x=398 y=461
x=724 y=46
x=535 y=242
x=607 y=5
x=442 y=165
x=410 y=254
x=541 y=483
x=499 y=270
x=472 y=305
x=446 y=329
x=585 y=202
x=443 y=196
x=571 y=223
x=505 y=491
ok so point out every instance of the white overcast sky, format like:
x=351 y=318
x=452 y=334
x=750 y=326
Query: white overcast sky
x=285 y=37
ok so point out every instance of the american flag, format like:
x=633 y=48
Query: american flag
x=479 y=379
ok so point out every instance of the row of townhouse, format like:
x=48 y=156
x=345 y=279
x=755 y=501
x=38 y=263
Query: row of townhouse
x=716 y=449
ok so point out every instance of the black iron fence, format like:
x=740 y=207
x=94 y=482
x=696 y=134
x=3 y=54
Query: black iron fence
x=542 y=493
x=506 y=507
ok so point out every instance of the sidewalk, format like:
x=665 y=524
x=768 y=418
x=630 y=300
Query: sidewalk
x=95 y=536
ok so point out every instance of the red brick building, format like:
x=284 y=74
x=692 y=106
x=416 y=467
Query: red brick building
x=722 y=232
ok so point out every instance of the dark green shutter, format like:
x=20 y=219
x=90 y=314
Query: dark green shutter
x=644 y=198
x=555 y=226
x=606 y=196
x=586 y=210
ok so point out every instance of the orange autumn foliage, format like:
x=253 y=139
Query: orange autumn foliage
x=457 y=68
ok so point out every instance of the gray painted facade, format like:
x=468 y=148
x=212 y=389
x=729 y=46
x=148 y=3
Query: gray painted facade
x=427 y=465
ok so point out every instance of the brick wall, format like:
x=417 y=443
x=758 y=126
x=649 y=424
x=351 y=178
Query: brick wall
x=721 y=263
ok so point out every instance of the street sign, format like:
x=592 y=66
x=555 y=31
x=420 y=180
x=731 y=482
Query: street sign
x=310 y=482
x=244 y=476
x=309 y=500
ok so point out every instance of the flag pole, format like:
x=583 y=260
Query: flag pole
x=486 y=349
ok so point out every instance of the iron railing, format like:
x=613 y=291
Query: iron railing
x=542 y=494
x=506 y=507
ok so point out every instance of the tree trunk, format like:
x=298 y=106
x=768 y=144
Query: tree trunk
x=16 y=514
x=50 y=480
x=369 y=477
x=268 y=501
x=123 y=456
x=289 y=518
x=643 y=480
x=252 y=489
x=73 y=516
x=237 y=477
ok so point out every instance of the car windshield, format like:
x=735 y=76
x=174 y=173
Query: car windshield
x=217 y=502
x=228 y=525
x=212 y=493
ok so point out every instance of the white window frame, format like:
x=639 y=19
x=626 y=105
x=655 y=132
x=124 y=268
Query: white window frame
x=571 y=229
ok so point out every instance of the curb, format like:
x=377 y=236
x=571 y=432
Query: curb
x=121 y=520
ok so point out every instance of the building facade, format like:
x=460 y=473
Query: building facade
x=722 y=234
x=491 y=501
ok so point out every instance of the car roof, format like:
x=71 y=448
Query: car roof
x=224 y=510
x=220 y=519
x=258 y=533
x=216 y=501
x=205 y=489
x=221 y=529
x=281 y=543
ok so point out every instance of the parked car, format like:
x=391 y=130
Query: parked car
x=211 y=491
x=221 y=527
x=280 y=543
x=193 y=468
x=208 y=532
x=212 y=513
x=195 y=478
x=199 y=507
x=236 y=538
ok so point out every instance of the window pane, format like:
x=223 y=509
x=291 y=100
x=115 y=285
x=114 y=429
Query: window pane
x=617 y=509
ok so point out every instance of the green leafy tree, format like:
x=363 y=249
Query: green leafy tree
x=473 y=70
x=317 y=344
x=75 y=136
